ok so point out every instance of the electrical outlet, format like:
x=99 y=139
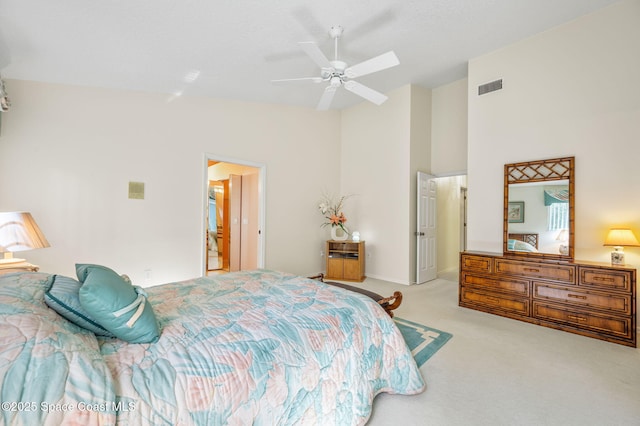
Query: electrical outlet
x=147 y=274
x=321 y=253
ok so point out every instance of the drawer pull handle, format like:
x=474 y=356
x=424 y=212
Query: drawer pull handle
x=576 y=318
x=608 y=279
x=492 y=299
x=532 y=270
x=577 y=296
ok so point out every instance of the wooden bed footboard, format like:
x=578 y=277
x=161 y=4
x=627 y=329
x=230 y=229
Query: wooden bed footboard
x=389 y=304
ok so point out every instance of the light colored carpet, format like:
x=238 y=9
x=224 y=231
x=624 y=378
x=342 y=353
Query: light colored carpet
x=497 y=371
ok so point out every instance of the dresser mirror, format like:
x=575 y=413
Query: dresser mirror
x=539 y=209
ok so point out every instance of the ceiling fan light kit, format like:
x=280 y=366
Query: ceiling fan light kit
x=338 y=73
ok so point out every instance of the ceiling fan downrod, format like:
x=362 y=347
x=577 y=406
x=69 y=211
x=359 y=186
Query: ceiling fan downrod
x=335 y=33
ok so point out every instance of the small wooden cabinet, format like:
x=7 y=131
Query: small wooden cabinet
x=345 y=260
x=592 y=299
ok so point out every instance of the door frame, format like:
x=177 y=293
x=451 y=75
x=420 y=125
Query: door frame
x=463 y=218
x=262 y=177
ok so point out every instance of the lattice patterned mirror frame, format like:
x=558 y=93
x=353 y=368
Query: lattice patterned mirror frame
x=540 y=171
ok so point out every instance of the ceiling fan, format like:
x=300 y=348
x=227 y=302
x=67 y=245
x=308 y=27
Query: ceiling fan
x=338 y=74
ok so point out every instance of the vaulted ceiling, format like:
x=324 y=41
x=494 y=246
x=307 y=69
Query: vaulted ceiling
x=234 y=48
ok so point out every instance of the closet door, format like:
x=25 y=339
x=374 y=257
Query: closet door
x=235 y=215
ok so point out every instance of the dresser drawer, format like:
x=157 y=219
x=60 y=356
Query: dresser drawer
x=601 y=323
x=494 y=301
x=564 y=273
x=606 y=279
x=618 y=303
x=518 y=287
x=476 y=263
x=589 y=298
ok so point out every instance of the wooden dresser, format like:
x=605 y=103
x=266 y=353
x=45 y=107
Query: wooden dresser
x=592 y=299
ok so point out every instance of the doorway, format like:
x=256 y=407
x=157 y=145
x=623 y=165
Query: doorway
x=452 y=206
x=234 y=215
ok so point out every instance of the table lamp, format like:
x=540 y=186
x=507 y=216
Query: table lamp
x=619 y=238
x=19 y=232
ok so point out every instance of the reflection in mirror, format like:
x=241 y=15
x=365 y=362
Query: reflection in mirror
x=539 y=217
x=538 y=211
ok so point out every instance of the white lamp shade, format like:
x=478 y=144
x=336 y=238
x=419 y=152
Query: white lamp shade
x=19 y=232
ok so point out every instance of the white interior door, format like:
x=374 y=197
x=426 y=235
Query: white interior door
x=426 y=262
x=249 y=228
x=235 y=215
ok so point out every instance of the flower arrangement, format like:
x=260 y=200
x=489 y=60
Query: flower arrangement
x=332 y=212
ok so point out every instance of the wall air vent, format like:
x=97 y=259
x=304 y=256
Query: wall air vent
x=489 y=87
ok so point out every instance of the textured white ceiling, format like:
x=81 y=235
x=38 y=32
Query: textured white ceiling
x=234 y=48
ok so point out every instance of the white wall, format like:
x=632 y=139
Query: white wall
x=570 y=91
x=67 y=154
x=449 y=129
x=375 y=166
x=449 y=161
x=419 y=161
x=382 y=148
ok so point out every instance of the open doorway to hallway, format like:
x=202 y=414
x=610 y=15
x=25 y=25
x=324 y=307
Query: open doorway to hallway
x=234 y=216
x=451 y=195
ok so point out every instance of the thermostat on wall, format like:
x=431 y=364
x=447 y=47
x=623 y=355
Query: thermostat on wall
x=136 y=190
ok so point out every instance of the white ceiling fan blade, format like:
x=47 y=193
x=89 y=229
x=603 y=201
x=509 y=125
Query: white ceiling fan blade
x=327 y=97
x=314 y=52
x=298 y=80
x=379 y=63
x=365 y=92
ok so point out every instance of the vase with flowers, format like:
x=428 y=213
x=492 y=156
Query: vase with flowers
x=332 y=212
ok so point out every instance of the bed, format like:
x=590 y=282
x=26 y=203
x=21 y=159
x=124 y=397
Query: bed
x=258 y=347
x=531 y=240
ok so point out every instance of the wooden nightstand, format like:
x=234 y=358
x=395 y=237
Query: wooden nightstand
x=18 y=267
x=345 y=260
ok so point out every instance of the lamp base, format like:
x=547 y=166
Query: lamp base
x=8 y=259
x=617 y=257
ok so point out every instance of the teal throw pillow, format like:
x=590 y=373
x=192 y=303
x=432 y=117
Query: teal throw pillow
x=62 y=296
x=117 y=305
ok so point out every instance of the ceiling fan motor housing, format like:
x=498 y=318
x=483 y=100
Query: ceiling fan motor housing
x=339 y=66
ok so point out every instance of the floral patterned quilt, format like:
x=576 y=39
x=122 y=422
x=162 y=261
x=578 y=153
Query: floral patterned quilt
x=257 y=347
x=51 y=371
